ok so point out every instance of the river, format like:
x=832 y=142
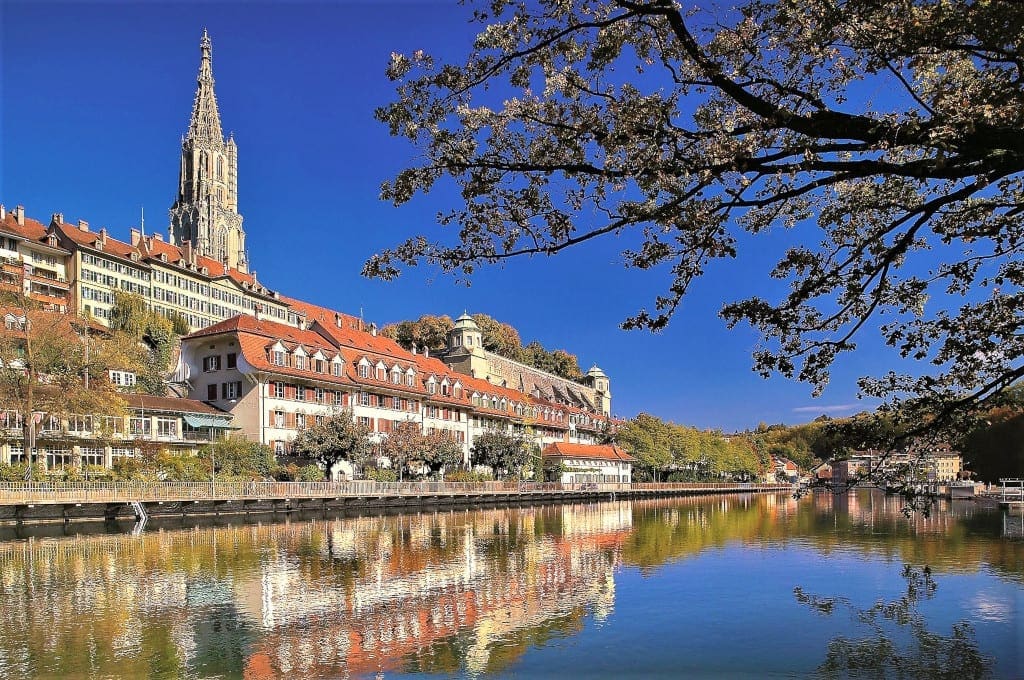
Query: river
x=731 y=586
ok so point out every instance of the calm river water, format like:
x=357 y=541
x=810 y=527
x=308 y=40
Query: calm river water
x=732 y=586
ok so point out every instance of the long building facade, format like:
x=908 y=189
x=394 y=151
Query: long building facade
x=277 y=379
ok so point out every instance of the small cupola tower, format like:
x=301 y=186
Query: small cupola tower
x=465 y=335
x=602 y=387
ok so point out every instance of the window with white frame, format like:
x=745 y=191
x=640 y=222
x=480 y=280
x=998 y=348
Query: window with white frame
x=337 y=398
x=140 y=427
x=277 y=357
x=167 y=427
x=396 y=402
x=279 y=390
x=432 y=386
x=300 y=420
x=396 y=375
x=92 y=455
x=364 y=370
x=278 y=418
x=318 y=395
x=232 y=390
x=300 y=362
x=122 y=452
x=211 y=363
x=279 y=448
x=364 y=399
x=300 y=392
x=336 y=368
x=122 y=378
x=410 y=378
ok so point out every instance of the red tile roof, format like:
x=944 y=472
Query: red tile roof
x=586 y=451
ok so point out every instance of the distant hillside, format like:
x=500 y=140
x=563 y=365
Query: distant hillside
x=501 y=338
x=996 y=450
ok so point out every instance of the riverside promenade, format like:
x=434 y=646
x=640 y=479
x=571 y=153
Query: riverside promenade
x=28 y=502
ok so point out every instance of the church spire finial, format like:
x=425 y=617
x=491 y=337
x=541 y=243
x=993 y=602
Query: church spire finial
x=205 y=123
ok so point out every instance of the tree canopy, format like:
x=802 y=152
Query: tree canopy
x=338 y=437
x=887 y=134
x=504 y=453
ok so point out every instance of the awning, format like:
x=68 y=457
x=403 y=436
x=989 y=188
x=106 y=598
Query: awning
x=197 y=420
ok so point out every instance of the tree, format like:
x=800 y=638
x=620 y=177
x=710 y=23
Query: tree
x=442 y=452
x=132 y=322
x=404 y=445
x=238 y=457
x=428 y=331
x=338 y=437
x=690 y=136
x=498 y=337
x=502 y=452
x=53 y=365
x=645 y=437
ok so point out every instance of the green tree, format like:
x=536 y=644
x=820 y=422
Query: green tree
x=498 y=337
x=240 y=458
x=690 y=135
x=338 y=437
x=647 y=439
x=404 y=445
x=504 y=453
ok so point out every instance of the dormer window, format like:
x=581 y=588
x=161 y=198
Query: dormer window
x=445 y=387
x=300 y=361
x=432 y=385
x=364 y=369
x=410 y=377
x=396 y=375
x=277 y=357
x=336 y=367
x=382 y=371
x=457 y=390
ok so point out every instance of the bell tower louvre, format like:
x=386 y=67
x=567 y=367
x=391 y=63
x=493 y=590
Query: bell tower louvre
x=205 y=212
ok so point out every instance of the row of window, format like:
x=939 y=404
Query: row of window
x=106 y=297
x=302 y=362
x=119 y=267
x=228 y=390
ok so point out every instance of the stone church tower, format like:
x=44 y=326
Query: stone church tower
x=206 y=210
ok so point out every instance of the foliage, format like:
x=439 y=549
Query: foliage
x=694 y=136
x=504 y=453
x=404 y=445
x=662 y=448
x=995 y=449
x=238 y=458
x=468 y=476
x=310 y=473
x=928 y=655
x=428 y=331
x=182 y=467
x=52 y=365
x=559 y=362
x=339 y=437
x=134 y=322
x=382 y=474
x=442 y=452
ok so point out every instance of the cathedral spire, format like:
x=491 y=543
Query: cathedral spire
x=205 y=124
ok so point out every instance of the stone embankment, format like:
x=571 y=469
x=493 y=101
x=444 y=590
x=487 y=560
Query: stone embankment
x=26 y=502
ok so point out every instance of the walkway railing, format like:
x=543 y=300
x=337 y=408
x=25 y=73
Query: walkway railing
x=13 y=493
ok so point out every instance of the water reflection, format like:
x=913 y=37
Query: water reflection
x=449 y=592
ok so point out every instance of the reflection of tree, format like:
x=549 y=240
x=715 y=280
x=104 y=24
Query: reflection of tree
x=926 y=655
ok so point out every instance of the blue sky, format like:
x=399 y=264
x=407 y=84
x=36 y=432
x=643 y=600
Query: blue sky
x=96 y=97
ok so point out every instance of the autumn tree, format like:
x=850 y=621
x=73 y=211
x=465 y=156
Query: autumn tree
x=504 y=453
x=404 y=445
x=53 y=365
x=339 y=437
x=428 y=331
x=156 y=339
x=442 y=452
x=884 y=135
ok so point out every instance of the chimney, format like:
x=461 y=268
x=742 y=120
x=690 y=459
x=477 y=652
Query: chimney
x=83 y=225
x=102 y=240
x=426 y=351
x=19 y=214
x=414 y=350
x=159 y=237
x=186 y=252
x=257 y=311
x=337 y=320
x=373 y=329
x=57 y=218
x=136 y=237
x=3 y=212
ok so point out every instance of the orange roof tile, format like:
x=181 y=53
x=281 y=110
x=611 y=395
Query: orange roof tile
x=591 y=451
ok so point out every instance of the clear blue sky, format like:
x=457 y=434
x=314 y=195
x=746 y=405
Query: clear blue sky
x=95 y=97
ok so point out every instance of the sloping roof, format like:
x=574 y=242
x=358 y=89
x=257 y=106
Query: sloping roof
x=171 y=404
x=586 y=451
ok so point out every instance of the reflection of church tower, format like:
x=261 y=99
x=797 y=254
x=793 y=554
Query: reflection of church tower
x=206 y=210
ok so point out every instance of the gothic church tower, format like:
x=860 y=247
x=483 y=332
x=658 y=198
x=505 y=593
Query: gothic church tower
x=206 y=210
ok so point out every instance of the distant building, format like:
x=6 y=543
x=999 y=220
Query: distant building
x=466 y=354
x=32 y=262
x=587 y=463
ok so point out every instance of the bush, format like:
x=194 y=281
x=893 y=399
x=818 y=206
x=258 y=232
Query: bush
x=310 y=473
x=468 y=476
x=381 y=474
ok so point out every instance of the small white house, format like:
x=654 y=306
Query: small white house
x=589 y=463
